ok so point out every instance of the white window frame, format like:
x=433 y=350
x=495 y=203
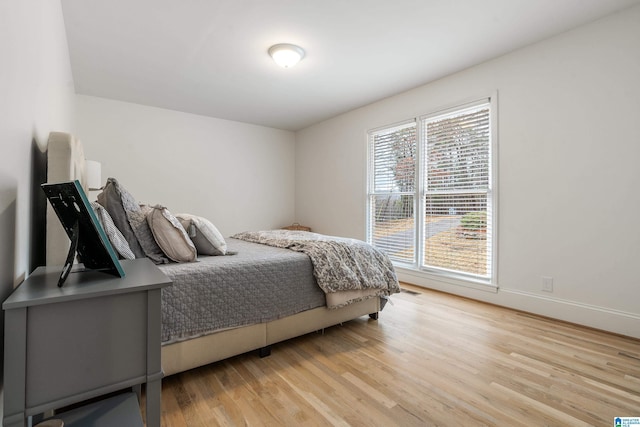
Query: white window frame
x=451 y=276
x=371 y=190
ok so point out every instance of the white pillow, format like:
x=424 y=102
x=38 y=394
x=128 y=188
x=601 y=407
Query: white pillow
x=170 y=235
x=203 y=234
x=114 y=235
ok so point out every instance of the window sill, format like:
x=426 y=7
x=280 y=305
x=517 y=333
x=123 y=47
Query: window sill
x=435 y=280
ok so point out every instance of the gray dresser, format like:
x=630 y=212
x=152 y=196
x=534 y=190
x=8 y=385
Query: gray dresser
x=96 y=335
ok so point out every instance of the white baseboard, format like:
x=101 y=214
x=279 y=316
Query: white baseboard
x=604 y=318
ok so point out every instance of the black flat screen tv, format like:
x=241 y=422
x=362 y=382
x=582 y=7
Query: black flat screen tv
x=88 y=239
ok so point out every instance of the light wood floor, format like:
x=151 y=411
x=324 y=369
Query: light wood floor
x=431 y=359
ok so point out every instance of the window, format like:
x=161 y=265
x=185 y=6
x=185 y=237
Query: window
x=430 y=204
x=392 y=200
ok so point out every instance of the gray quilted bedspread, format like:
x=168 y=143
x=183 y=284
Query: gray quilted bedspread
x=340 y=264
x=258 y=284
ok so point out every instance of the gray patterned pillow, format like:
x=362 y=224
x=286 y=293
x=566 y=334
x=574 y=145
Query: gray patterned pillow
x=113 y=234
x=114 y=198
x=140 y=226
x=130 y=218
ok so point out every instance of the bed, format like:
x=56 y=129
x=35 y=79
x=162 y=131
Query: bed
x=274 y=288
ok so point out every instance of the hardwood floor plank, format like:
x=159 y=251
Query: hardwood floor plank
x=431 y=359
x=547 y=414
x=171 y=414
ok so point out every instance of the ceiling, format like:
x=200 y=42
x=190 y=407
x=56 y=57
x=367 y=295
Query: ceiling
x=209 y=57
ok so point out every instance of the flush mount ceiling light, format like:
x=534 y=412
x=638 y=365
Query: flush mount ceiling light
x=286 y=55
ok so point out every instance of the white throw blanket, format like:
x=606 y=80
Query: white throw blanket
x=339 y=264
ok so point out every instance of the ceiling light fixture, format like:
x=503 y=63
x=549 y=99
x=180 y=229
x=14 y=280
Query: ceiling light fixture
x=286 y=55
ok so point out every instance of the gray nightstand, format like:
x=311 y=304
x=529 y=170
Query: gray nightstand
x=97 y=334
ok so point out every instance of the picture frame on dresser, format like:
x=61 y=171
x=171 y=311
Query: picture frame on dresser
x=88 y=239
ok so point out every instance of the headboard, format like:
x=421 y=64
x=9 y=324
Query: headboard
x=65 y=162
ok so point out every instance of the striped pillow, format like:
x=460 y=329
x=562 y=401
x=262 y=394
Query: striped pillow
x=113 y=234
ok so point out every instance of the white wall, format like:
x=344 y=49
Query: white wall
x=36 y=97
x=239 y=176
x=569 y=150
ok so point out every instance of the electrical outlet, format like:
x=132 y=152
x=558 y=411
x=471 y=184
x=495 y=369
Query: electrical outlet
x=547 y=284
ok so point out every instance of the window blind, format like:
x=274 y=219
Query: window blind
x=392 y=195
x=457 y=191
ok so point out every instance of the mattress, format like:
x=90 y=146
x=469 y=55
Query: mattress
x=258 y=284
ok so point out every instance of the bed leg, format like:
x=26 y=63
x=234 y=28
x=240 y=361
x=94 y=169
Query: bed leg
x=374 y=316
x=264 y=351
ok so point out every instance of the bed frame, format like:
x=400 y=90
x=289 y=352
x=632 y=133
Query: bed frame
x=66 y=162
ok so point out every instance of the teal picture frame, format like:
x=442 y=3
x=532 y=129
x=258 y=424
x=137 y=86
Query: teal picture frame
x=88 y=239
